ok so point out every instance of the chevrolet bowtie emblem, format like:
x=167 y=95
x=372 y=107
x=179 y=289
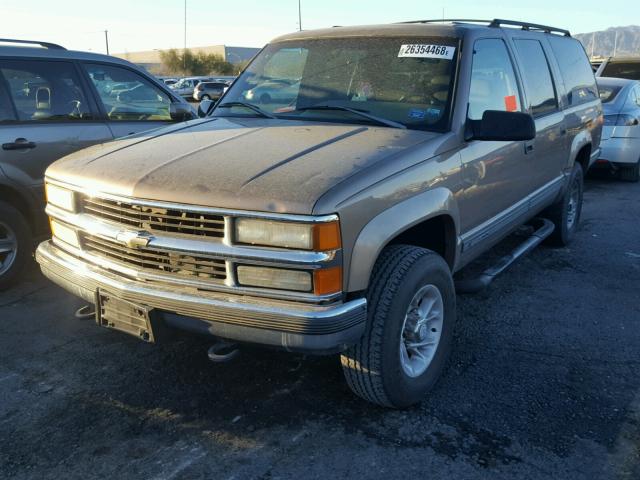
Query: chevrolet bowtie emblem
x=134 y=239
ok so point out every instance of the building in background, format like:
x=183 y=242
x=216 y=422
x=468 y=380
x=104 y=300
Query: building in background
x=150 y=59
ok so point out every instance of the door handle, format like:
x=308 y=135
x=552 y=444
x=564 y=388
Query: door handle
x=528 y=148
x=19 y=144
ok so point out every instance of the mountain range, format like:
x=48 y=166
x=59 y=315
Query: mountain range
x=621 y=40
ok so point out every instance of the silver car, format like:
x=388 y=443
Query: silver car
x=621 y=133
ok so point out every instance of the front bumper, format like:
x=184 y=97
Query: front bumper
x=290 y=325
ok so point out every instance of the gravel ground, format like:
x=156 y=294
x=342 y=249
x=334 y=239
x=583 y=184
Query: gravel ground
x=542 y=384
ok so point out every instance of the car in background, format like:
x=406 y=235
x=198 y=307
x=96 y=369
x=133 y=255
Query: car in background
x=168 y=80
x=621 y=132
x=53 y=102
x=273 y=91
x=620 y=67
x=185 y=86
x=209 y=90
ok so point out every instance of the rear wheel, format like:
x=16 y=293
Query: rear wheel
x=15 y=244
x=411 y=316
x=566 y=212
x=205 y=97
x=630 y=173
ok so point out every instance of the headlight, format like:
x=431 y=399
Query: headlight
x=278 y=278
x=300 y=236
x=64 y=233
x=60 y=197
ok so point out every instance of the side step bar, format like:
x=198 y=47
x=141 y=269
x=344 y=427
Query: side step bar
x=475 y=285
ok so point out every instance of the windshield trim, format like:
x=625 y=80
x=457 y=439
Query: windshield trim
x=457 y=41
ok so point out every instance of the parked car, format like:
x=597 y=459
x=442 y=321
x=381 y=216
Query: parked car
x=209 y=90
x=185 y=86
x=620 y=67
x=168 y=80
x=53 y=102
x=334 y=224
x=273 y=91
x=621 y=132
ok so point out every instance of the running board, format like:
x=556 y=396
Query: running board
x=475 y=285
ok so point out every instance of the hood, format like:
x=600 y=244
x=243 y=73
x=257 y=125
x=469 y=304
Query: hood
x=247 y=164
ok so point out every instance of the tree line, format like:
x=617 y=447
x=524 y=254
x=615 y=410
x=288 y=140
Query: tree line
x=201 y=63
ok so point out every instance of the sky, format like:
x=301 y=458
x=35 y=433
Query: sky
x=159 y=24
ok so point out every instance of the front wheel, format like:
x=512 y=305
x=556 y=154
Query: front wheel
x=407 y=341
x=205 y=97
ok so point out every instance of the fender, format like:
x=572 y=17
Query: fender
x=580 y=140
x=390 y=223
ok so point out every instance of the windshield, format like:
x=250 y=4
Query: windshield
x=630 y=70
x=404 y=80
x=608 y=92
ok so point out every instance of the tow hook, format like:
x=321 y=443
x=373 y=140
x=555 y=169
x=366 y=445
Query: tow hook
x=88 y=311
x=222 y=352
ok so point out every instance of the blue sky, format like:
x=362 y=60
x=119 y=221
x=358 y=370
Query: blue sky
x=148 y=24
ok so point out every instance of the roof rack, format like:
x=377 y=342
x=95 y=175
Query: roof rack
x=497 y=23
x=52 y=46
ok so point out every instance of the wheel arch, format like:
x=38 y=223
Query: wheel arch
x=428 y=220
x=13 y=197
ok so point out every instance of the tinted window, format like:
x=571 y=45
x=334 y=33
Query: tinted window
x=45 y=91
x=537 y=77
x=608 y=92
x=493 y=81
x=127 y=96
x=407 y=80
x=575 y=69
x=629 y=70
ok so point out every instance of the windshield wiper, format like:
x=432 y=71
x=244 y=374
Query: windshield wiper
x=374 y=118
x=250 y=106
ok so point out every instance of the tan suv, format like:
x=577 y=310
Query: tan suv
x=334 y=222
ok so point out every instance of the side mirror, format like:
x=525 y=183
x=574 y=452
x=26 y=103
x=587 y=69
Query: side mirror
x=502 y=126
x=205 y=107
x=180 y=112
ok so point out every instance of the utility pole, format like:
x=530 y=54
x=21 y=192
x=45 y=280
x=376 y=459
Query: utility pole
x=184 y=52
x=106 y=40
x=615 y=44
x=299 y=15
x=593 y=43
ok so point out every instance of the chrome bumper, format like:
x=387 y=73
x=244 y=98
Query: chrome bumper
x=293 y=326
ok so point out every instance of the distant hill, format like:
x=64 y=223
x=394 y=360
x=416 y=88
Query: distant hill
x=603 y=42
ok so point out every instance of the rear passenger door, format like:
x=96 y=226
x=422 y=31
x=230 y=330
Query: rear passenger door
x=47 y=114
x=548 y=153
x=130 y=102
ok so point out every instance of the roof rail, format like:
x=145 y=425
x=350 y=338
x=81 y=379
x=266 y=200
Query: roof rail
x=529 y=26
x=497 y=23
x=49 y=45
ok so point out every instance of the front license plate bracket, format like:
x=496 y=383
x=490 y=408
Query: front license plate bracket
x=122 y=315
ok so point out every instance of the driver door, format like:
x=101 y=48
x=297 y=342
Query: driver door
x=130 y=102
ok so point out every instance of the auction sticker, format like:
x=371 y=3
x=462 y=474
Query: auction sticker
x=426 y=51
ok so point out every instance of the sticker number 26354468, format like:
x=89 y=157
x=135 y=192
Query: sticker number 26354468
x=426 y=51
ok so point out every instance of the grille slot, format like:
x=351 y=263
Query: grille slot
x=155 y=260
x=155 y=219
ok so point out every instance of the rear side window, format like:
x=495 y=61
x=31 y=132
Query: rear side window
x=127 y=96
x=45 y=90
x=575 y=69
x=493 y=81
x=537 y=77
x=608 y=93
x=629 y=70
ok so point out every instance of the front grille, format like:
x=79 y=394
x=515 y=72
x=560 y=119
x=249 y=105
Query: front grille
x=155 y=260
x=155 y=219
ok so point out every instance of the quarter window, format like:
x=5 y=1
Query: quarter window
x=537 y=77
x=127 y=96
x=44 y=91
x=493 y=81
x=575 y=69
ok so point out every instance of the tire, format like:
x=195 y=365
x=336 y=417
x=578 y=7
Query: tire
x=373 y=367
x=566 y=212
x=205 y=97
x=15 y=245
x=630 y=174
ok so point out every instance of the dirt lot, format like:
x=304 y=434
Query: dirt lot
x=543 y=384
